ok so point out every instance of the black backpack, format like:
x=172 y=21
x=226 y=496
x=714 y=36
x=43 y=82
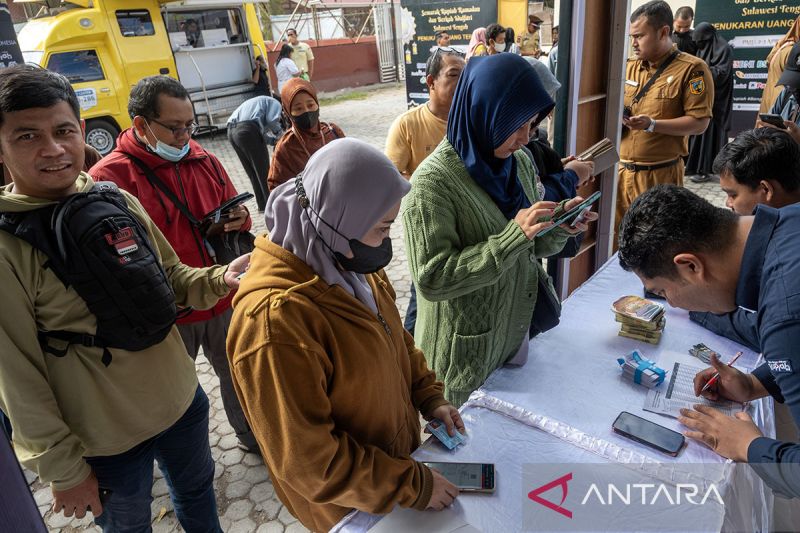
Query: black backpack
x=95 y=244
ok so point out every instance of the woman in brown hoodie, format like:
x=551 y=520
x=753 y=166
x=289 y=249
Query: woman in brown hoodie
x=329 y=380
x=306 y=136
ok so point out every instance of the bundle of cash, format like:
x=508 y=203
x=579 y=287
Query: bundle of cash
x=702 y=352
x=641 y=370
x=640 y=319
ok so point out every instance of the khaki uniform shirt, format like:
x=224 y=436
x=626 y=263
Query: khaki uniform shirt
x=529 y=43
x=684 y=88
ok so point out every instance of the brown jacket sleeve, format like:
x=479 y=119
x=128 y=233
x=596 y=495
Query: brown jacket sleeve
x=279 y=171
x=283 y=391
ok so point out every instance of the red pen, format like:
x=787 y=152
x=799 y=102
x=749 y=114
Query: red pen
x=713 y=381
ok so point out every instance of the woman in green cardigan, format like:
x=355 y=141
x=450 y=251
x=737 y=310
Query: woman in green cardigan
x=471 y=221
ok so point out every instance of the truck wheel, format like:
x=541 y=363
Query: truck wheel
x=101 y=135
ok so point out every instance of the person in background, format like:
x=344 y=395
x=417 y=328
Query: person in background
x=682 y=33
x=706 y=258
x=285 y=67
x=511 y=43
x=303 y=56
x=333 y=385
x=417 y=132
x=718 y=55
x=261 y=77
x=787 y=105
x=496 y=38
x=477 y=44
x=442 y=39
x=193 y=34
x=776 y=62
x=307 y=134
x=654 y=140
x=160 y=139
x=471 y=222
x=83 y=423
x=552 y=57
x=759 y=167
x=255 y=124
x=529 y=41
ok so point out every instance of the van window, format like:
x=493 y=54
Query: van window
x=135 y=23
x=205 y=28
x=77 y=67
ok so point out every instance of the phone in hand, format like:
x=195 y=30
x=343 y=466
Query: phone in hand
x=774 y=120
x=468 y=477
x=648 y=433
x=572 y=214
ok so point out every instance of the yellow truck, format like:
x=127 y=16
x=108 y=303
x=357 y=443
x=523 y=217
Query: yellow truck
x=104 y=47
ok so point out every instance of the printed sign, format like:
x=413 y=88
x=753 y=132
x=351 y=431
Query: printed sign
x=87 y=98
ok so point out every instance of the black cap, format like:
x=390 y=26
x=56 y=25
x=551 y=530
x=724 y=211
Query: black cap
x=791 y=74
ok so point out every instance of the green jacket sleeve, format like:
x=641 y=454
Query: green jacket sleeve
x=200 y=288
x=42 y=440
x=441 y=269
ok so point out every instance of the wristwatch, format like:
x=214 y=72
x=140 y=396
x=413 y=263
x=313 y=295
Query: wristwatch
x=652 y=127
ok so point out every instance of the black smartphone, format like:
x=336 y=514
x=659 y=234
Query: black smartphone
x=775 y=120
x=468 y=477
x=648 y=433
x=627 y=112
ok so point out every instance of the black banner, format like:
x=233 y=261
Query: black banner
x=752 y=27
x=421 y=20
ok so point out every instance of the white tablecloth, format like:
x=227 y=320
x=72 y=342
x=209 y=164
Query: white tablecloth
x=559 y=407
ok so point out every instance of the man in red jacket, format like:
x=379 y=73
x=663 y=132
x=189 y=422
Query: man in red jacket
x=163 y=123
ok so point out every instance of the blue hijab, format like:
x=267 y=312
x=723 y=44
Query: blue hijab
x=495 y=96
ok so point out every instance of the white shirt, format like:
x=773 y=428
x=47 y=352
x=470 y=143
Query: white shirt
x=286 y=70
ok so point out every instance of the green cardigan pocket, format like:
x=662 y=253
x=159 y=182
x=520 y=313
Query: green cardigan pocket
x=468 y=366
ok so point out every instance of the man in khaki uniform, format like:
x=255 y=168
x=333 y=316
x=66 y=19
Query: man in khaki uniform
x=659 y=118
x=529 y=41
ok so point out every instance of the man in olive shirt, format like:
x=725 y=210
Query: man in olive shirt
x=303 y=57
x=529 y=41
x=659 y=117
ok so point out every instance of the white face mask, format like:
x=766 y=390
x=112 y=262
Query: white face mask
x=500 y=47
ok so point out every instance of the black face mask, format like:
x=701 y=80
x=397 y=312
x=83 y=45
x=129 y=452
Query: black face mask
x=307 y=120
x=366 y=259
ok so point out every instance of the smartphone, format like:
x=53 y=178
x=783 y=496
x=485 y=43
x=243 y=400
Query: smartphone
x=572 y=214
x=468 y=477
x=648 y=433
x=775 y=120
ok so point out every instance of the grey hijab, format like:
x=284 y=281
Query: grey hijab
x=551 y=84
x=349 y=184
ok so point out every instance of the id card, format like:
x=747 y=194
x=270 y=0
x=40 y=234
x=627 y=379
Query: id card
x=439 y=430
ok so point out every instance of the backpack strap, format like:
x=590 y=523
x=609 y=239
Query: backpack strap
x=70 y=338
x=156 y=182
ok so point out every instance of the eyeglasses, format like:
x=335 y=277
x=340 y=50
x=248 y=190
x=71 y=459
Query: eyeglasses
x=177 y=132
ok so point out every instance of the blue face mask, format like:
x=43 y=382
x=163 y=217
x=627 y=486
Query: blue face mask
x=166 y=151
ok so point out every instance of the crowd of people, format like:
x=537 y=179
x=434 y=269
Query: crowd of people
x=319 y=373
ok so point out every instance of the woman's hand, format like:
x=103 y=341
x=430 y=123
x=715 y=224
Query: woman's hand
x=236 y=268
x=443 y=493
x=584 y=170
x=451 y=418
x=528 y=219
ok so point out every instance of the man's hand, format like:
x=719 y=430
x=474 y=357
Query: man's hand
x=451 y=418
x=591 y=216
x=235 y=268
x=732 y=384
x=584 y=170
x=236 y=218
x=728 y=436
x=637 y=122
x=76 y=500
x=443 y=493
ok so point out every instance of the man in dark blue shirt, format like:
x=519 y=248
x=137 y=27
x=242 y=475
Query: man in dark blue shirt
x=706 y=258
x=760 y=166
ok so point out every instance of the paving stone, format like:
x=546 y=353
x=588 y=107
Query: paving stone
x=218 y=470
x=58 y=520
x=162 y=502
x=270 y=507
x=235 y=473
x=168 y=524
x=228 y=442
x=242 y=526
x=261 y=492
x=231 y=457
x=237 y=489
x=238 y=510
x=160 y=488
x=256 y=474
x=271 y=527
x=296 y=527
x=286 y=517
